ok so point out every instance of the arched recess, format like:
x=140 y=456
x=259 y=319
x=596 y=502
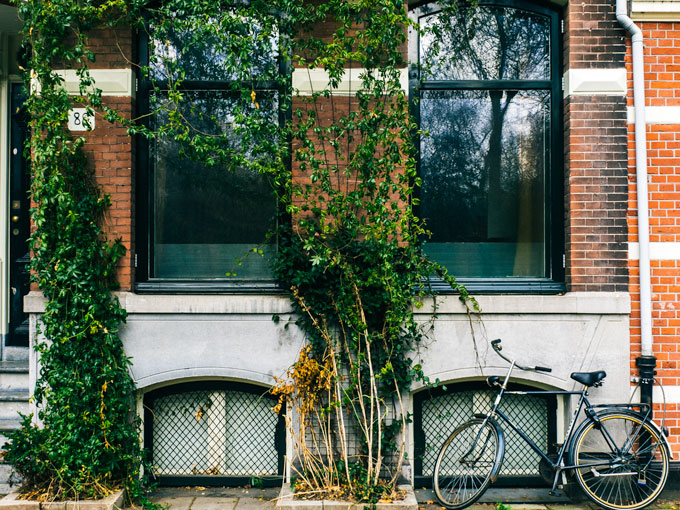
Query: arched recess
x=214 y=433
x=438 y=411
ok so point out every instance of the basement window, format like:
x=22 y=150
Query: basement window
x=213 y=434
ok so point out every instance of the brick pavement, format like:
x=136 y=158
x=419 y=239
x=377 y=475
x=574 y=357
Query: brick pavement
x=192 y=498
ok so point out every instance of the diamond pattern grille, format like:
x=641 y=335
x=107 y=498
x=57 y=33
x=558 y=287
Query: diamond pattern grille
x=442 y=414
x=214 y=432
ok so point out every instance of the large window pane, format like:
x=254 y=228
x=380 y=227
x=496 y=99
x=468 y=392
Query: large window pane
x=483 y=166
x=193 y=48
x=485 y=43
x=206 y=217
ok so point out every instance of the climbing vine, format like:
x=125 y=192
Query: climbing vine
x=341 y=162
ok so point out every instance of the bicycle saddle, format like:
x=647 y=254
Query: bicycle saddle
x=589 y=378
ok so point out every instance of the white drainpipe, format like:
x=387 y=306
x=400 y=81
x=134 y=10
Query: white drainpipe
x=641 y=174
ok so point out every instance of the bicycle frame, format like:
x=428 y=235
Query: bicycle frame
x=584 y=404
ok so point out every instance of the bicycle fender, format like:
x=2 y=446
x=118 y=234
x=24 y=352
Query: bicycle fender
x=607 y=411
x=501 y=447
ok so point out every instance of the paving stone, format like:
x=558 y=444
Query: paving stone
x=567 y=507
x=213 y=503
x=255 y=504
x=181 y=503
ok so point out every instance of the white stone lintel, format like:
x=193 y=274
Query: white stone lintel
x=587 y=303
x=595 y=82
x=309 y=81
x=664 y=10
x=657 y=251
x=657 y=115
x=239 y=304
x=112 y=82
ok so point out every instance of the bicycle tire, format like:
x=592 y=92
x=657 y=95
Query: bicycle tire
x=621 y=459
x=458 y=483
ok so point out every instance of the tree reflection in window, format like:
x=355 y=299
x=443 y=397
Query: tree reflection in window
x=485 y=106
x=486 y=43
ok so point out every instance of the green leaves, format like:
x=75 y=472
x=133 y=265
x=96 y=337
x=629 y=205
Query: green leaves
x=88 y=444
x=342 y=166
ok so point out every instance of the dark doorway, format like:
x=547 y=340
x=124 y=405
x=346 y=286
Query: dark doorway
x=19 y=219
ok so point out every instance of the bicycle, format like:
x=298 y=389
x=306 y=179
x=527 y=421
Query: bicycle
x=618 y=455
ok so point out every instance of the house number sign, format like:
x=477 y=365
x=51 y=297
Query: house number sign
x=79 y=120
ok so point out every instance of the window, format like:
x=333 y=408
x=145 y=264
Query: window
x=437 y=412
x=487 y=98
x=198 y=218
x=214 y=433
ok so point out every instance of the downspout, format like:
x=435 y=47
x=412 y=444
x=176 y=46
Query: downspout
x=646 y=362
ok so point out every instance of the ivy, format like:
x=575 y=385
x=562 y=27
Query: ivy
x=87 y=443
x=349 y=243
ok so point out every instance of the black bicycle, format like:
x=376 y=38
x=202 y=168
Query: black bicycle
x=618 y=455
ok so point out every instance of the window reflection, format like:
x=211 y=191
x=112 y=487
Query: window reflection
x=207 y=217
x=485 y=43
x=483 y=169
x=486 y=104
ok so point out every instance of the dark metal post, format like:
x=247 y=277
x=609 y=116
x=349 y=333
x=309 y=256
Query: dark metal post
x=646 y=366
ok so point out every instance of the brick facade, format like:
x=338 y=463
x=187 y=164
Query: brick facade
x=593 y=38
x=599 y=173
x=595 y=155
x=111 y=149
x=596 y=186
x=662 y=74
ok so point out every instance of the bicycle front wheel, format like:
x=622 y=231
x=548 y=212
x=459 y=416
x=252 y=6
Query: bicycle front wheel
x=622 y=461
x=465 y=464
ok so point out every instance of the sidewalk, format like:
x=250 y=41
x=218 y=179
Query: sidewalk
x=212 y=498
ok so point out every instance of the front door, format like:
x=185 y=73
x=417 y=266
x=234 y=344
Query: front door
x=19 y=219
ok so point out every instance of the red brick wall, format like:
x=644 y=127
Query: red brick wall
x=593 y=37
x=110 y=148
x=114 y=48
x=662 y=74
x=595 y=155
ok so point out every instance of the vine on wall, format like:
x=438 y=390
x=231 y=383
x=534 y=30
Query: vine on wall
x=342 y=167
x=88 y=442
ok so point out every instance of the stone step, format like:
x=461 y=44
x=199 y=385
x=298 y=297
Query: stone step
x=5 y=472
x=13 y=402
x=6 y=426
x=14 y=375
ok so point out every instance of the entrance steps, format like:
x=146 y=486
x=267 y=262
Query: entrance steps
x=14 y=393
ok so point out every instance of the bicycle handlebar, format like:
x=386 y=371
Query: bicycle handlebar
x=496 y=344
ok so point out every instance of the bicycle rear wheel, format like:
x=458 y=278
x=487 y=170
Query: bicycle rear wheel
x=466 y=463
x=623 y=463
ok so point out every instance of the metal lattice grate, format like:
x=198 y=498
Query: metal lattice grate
x=214 y=432
x=442 y=414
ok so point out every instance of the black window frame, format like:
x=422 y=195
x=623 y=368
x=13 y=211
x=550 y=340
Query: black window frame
x=144 y=201
x=554 y=283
